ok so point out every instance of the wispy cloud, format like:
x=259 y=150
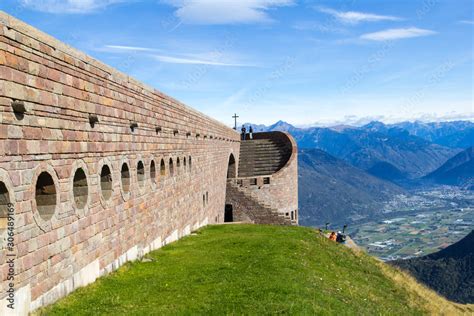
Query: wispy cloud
x=131 y=48
x=210 y=58
x=193 y=61
x=317 y=26
x=68 y=6
x=467 y=22
x=353 y=17
x=394 y=34
x=225 y=12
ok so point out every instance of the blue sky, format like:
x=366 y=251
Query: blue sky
x=305 y=62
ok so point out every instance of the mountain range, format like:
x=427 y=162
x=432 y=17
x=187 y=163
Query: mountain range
x=450 y=271
x=455 y=134
x=347 y=173
x=332 y=190
x=396 y=152
x=458 y=170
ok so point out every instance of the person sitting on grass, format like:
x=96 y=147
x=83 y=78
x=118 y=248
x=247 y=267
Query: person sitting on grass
x=341 y=238
x=333 y=236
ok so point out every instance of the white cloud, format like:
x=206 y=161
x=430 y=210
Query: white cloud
x=183 y=60
x=225 y=12
x=394 y=34
x=213 y=58
x=68 y=6
x=131 y=48
x=317 y=26
x=353 y=17
x=467 y=22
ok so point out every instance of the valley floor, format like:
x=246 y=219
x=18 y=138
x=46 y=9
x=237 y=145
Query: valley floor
x=424 y=223
x=253 y=269
x=413 y=235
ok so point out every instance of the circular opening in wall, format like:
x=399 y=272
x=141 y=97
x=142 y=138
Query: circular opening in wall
x=45 y=195
x=152 y=171
x=106 y=182
x=125 y=172
x=162 y=168
x=171 y=167
x=4 y=201
x=141 y=173
x=80 y=188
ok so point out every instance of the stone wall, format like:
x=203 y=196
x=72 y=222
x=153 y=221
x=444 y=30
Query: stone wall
x=276 y=191
x=246 y=208
x=99 y=168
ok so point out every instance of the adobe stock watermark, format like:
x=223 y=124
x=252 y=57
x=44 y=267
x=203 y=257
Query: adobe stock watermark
x=426 y=7
x=359 y=74
x=216 y=56
x=259 y=93
x=411 y=102
x=10 y=254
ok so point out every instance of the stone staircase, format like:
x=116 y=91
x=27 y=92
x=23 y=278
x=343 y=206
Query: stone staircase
x=251 y=209
x=252 y=193
x=261 y=157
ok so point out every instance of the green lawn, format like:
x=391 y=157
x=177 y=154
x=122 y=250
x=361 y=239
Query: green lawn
x=244 y=269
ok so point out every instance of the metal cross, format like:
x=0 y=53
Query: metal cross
x=235 y=120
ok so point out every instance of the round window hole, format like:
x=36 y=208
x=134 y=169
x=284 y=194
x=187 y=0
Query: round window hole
x=153 y=171
x=80 y=188
x=106 y=182
x=4 y=202
x=171 y=167
x=141 y=173
x=45 y=195
x=162 y=168
x=125 y=172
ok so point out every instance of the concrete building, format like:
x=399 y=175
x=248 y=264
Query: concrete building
x=97 y=169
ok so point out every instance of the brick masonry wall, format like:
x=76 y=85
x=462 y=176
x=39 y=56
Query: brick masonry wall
x=281 y=193
x=60 y=88
x=246 y=208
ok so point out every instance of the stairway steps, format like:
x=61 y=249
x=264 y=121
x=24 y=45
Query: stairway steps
x=260 y=150
x=270 y=161
x=266 y=154
x=264 y=146
x=255 y=210
x=259 y=167
x=262 y=157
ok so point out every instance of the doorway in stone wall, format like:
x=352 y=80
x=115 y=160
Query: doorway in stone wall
x=231 y=175
x=231 y=168
x=228 y=214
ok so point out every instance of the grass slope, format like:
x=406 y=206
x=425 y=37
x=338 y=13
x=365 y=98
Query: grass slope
x=247 y=269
